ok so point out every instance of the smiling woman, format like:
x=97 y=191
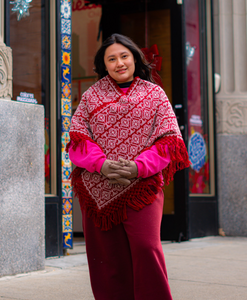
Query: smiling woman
x=120 y=63
x=123 y=134
x=121 y=56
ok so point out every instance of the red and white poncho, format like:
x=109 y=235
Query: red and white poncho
x=124 y=125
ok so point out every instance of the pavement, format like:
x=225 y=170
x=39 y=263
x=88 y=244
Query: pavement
x=211 y=268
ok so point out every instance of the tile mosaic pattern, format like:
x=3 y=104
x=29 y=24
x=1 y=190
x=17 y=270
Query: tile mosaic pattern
x=66 y=42
x=66 y=111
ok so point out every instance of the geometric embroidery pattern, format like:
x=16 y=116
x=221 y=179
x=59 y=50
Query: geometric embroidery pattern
x=123 y=128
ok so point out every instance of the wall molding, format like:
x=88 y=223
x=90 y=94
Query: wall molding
x=231 y=115
x=6 y=70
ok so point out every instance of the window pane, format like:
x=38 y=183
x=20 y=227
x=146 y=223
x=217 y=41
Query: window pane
x=197 y=101
x=27 y=44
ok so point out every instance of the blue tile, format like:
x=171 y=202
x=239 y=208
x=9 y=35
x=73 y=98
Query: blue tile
x=67 y=240
x=66 y=121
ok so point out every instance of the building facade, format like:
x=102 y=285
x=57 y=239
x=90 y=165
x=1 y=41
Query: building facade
x=187 y=42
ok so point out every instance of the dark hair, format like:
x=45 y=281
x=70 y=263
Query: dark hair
x=142 y=67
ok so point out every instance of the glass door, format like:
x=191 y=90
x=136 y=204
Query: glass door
x=156 y=27
x=200 y=107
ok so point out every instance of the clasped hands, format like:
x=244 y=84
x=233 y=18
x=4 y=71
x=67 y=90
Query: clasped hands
x=119 y=171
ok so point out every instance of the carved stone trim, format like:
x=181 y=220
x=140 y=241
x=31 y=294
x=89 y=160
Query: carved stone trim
x=5 y=72
x=231 y=115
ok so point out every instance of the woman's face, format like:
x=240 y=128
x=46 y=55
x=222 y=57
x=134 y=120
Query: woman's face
x=120 y=63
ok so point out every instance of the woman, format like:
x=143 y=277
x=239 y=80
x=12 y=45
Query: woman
x=123 y=134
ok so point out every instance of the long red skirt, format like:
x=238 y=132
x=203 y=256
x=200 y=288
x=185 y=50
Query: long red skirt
x=127 y=262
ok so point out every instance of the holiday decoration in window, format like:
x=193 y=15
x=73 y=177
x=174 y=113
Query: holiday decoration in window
x=21 y=7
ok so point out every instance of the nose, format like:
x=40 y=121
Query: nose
x=119 y=63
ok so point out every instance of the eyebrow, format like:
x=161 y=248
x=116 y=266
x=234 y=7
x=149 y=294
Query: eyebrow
x=120 y=54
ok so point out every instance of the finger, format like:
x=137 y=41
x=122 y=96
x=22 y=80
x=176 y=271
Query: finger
x=123 y=173
x=113 y=181
x=113 y=176
x=118 y=174
x=121 y=181
x=119 y=168
x=115 y=166
x=124 y=161
x=113 y=162
x=124 y=181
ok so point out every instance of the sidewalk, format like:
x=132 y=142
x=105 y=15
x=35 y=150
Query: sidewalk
x=211 y=268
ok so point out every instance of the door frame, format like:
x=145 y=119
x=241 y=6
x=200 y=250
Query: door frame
x=203 y=209
x=175 y=227
x=53 y=201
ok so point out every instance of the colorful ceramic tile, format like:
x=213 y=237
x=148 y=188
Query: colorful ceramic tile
x=67 y=223
x=66 y=90
x=65 y=140
x=67 y=206
x=66 y=171
x=66 y=57
x=67 y=239
x=66 y=165
x=66 y=121
x=66 y=42
x=65 y=26
x=67 y=189
x=66 y=107
x=65 y=159
x=65 y=9
x=66 y=74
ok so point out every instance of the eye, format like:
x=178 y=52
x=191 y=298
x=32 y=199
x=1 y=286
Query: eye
x=125 y=56
x=111 y=59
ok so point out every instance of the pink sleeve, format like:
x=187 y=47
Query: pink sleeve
x=88 y=156
x=150 y=162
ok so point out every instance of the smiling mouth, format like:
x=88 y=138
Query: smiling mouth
x=121 y=71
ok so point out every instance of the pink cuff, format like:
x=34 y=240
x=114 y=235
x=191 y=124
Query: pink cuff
x=150 y=162
x=88 y=156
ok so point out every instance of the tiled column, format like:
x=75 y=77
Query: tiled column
x=231 y=103
x=66 y=110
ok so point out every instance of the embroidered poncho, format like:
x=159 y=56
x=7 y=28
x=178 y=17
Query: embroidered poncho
x=124 y=125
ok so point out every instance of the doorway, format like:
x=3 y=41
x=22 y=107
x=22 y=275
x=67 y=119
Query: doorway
x=156 y=27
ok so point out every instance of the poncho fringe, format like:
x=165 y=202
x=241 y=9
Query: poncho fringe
x=178 y=154
x=141 y=194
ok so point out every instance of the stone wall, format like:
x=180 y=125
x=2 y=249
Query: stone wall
x=22 y=187
x=231 y=107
